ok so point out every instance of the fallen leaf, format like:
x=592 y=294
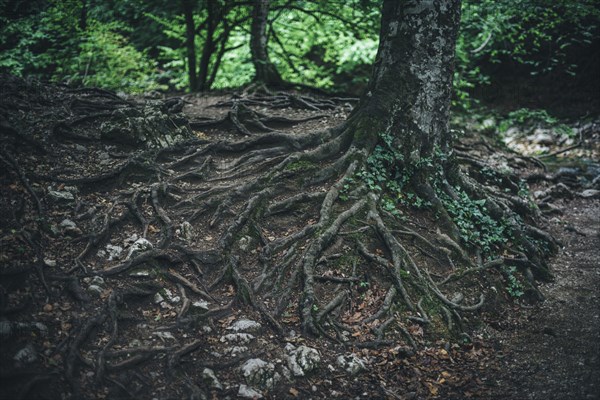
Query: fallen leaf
x=294 y=392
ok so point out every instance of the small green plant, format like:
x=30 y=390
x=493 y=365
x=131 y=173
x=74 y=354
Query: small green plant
x=300 y=165
x=476 y=226
x=513 y=286
x=534 y=118
x=385 y=172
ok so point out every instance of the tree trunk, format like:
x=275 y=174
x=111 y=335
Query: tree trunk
x=190 y=34
x=406 y=107
x=408 y=97
x=209 y=46
x=265 y=71
x=83 y=16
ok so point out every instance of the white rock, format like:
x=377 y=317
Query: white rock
x=97 y=280
x=164 y=335
x=26 y=355
x=590 y=193
x=248 y=393
x=245 y=325
x=49 y=262
x=67 y=223
x=131 y=239
x=244 y=243
x=95 y=289
x=241 y=338
x=236 y=350
x=187 y=231
x=158 y=298
x=209 y=377
x=61 y=197
x=260 y=373
x=140 y=273
x=302 y=359
x=169 y=296
x=202 y=304
x=139 y=246
x=114 y=252
x=351 y=363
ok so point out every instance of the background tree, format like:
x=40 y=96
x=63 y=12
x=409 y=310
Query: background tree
x=190 y=42
x=265 y=71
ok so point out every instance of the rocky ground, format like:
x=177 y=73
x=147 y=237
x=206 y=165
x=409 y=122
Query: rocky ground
x=91 y=318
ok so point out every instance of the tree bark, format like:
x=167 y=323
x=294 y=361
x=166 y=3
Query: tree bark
x=408 y=96
x=265 y=71
x=209 y=46
x=190 y=35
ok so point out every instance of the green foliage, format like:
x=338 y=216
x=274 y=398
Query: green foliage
x=106 y=59
x=301 y=165
x=128 y=44
x=477 y=228
x=531 y=119
x=535 y=34
x=513 y=285
x=53 y=45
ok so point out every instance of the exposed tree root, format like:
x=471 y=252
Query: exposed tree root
x=286 y=225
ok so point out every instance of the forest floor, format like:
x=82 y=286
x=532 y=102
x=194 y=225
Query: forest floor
x=56 y=344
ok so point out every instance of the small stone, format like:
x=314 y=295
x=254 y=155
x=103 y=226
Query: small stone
x=95 y=289
x=201 y=304
x=244 y=243
x=164 y=335
x=236 y=350
x=61 y=197
x=260 y=373
x=49 y=263
x=158 y=298
x=114 y=252
x=542 y=136
x=71 y=189
x=26 y=355
x=590 y=193
x=168 y=295
x=139 y=246
x=248 y=393
x=97 y=280
x=302 y=359
x=245 y=325
x=69 y=226
x=187 y=231
x=241 y=338
x=140 y=273
x=351 y=363
x=48 y=308
x=209 y=378
x=131 y=239
x=80 y=148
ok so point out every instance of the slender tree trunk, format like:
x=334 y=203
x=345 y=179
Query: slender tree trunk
x=190 y=35
x=209 y=46
x=83 y=16
x=265 y=71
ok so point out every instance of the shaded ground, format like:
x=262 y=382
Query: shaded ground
x=552 y=350
x=80 y=318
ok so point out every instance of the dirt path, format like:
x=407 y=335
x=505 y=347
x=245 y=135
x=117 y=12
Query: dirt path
x=552 y=351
